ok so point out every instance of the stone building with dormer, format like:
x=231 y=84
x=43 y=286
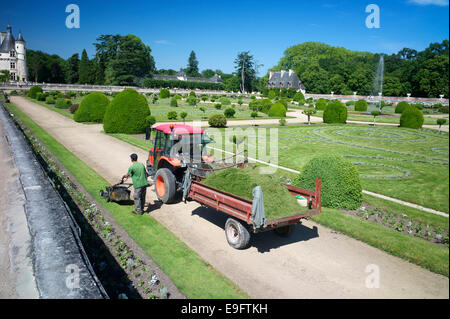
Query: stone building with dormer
x=13 y=55
x=285 y=79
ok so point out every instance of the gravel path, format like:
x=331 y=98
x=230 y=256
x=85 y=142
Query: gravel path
x=315 y=262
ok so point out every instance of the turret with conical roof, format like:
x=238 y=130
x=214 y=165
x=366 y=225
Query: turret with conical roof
x=13 y=55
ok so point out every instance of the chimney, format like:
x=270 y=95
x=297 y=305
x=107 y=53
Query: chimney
x=270 y=74
x=282 y=73
x=290 y=72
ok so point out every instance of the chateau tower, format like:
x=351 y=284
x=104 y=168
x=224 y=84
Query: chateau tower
x=13 y=55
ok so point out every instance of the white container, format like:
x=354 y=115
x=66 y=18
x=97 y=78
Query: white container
x=302 y=200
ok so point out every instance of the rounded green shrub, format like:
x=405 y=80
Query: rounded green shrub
x=361 y=106
x=225 y=101
x=229 y=112
x=351 y=102
x=272 y=94
x=321 y=104
x=150 y=120
x=177 y=97
x=341 y=183
x=92 y=108
x=126 y=113
x=34 y=91
x=191 y=100
x=401 y=106
x=192 y=93
x=40 y=96
x=255 y=105
x=49 y=100
x=335 y=112
x=61 y=103
x=173 y=102
x=164 y=93
x=299 y=97
x=218 y=106
x=172 y=115
x=217 y=120
x=411 y=117
x=265 y=105
x=277 y=110
x=419 y=106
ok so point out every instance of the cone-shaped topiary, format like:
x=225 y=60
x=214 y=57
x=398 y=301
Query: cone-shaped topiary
x=401 y=106
x=341 y=184
x=126 y=113
x=335 y=112
x=92 y=108
x=411 y=117
x=277 y=110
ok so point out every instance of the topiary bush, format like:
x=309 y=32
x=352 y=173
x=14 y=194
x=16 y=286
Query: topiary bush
x=443 y=109
x=49 y=100
x=61 y=103
x=40 y=96
x=265 y=105
x=192 y=93
x=419 y=106
x=225 y=101
x=217 y=120
x=401 y=106
x=321 y=104
x=277 y=110
x=173 y=102
x=164 y=93
x=218 y=106
x=335 y=112
x=411 y=117
x=172 y=115
x=229 y=112
x=92 y=108
x=299 y=97
x=348 y=103
x=34 y=91
x=191 y=100
x=150 y=120
x=341 y=184
x=126 y=113
x=361 y=106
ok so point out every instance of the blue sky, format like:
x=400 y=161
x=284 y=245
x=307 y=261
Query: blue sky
x=218 y=30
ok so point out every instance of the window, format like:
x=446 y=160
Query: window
x=13 y=76
x=13 y=65
x=12 y=53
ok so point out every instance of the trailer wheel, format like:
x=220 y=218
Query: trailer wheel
x=284 y=231
x=165 y=187
x=237 y=235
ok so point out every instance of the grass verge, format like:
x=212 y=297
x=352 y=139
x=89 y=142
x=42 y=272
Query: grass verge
x=193 y=276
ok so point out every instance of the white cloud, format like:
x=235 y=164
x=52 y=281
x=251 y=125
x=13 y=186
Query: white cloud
x=428 y=2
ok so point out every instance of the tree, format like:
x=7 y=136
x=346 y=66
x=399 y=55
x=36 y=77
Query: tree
x=125 y=59
x=72 y=68
x=309 y=112
x=192 y=68
x=440 y=122
x=183 y=115
x=374 y=114
x=208 y=73
x=5 y=76
x=245 y=71
x=86 y=70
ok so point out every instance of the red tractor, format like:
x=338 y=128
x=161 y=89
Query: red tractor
x=175 y=148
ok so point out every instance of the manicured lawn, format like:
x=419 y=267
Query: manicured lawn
x=194 y=277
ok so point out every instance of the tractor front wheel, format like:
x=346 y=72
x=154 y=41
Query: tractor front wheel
x=165 y=187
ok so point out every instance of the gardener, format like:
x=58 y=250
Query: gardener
x=139 y=176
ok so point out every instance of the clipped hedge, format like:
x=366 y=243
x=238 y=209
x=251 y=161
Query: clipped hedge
x=34 y=91
x=341 y=183
x=49 y=100
x=411 y=117
x=277 y=110
x=217 y=120
x=361 y=106
x=335 y=112
x=126 y=113
x=157 y=83
x=401 y=106
x=92 y=108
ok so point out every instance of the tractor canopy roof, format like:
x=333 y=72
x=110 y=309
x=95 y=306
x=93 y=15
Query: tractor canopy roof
x=179 y=129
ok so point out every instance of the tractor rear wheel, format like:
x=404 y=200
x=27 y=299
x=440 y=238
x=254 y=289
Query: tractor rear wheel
x=165 y=187
x=237 y=235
